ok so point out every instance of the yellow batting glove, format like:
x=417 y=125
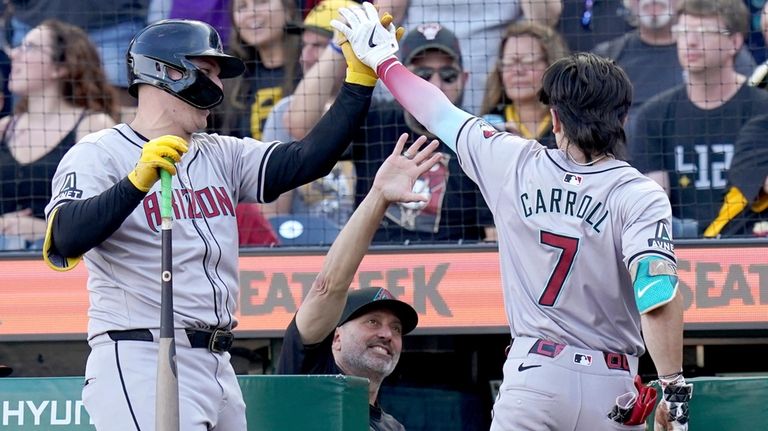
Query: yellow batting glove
x=153 y=158
x=357 y=72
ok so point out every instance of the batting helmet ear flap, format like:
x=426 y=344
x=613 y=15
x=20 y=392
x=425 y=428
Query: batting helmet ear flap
x=172 y=44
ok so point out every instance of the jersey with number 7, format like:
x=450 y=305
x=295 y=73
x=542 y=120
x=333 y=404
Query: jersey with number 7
x=567 y=235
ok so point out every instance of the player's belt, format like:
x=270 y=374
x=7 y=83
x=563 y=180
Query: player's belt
x=217 y=340
x=551 y=349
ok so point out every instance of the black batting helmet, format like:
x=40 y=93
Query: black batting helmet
x=172 y=43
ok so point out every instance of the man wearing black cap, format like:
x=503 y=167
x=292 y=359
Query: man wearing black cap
x=456 y=211
x=360 y=333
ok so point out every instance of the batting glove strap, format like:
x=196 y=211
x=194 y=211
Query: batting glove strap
x=371 y=42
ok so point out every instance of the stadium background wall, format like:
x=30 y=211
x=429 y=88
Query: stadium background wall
x=462 y=330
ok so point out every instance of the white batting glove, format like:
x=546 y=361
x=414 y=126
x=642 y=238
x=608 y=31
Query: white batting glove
x=372 y=43
x=675 y=397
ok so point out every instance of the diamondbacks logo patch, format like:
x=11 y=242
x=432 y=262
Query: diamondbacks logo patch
x=487 y=129
x=573 y=179
x=69 y=188
x=383 y=294
x=662 y=239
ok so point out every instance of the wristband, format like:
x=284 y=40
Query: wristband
x=671 y=376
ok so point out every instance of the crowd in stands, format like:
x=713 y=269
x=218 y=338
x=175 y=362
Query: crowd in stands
x=697 y=125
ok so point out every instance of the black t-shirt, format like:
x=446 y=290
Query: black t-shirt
x=28 y=185
x=695 y=146
x=456 y=210
x=296 y=358
x=653 y=69
x=584 y=26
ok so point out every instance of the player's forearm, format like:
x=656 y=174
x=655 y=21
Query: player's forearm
x=313 y=157
x=425 y=101
x=544 y=12
x=321 y=309
x=313 y=92
x=352 y=243
x=81 y=225
x=663 y=333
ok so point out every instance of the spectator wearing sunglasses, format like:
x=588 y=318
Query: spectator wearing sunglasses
x=511 y=101
x=455 y=211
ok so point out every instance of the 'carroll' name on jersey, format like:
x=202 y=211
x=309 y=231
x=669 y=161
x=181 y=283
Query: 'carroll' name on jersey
x=568 y=203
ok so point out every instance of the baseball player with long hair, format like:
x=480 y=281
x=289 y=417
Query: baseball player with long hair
x=106 y=207
x=584 y=240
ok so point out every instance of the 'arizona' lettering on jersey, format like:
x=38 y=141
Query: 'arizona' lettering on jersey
x=208 y=203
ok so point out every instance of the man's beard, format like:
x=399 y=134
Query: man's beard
x=655 y=21
x=365 y=365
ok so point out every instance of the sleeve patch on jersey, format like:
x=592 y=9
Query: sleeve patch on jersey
x=662 y=240
x=69 y=188
x=487 y=129
x=655 y=283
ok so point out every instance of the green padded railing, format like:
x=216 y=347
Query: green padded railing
x=285 y=403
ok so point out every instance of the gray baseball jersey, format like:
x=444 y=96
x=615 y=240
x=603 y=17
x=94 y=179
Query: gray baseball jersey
x=567 y=236
x=123 y=281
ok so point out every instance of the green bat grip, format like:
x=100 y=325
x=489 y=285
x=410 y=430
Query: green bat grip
x=165 y=188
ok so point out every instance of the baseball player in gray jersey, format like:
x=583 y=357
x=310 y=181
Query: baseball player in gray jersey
x=106 y=206
x=584 y=240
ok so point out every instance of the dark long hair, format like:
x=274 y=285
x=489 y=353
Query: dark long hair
x=591 y=96
x=84 y=83
x=250 y=56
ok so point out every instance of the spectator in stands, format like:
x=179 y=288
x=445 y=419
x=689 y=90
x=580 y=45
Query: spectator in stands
x=649 y=54
x=744 y=209
x=511 y=101
x=456 y=211
x=586 y=23
x=63 y=95
x=110 y=26
x=261 y=39
x=331 y=198
x=684 y=138
x=759 y=78
x=479 y=26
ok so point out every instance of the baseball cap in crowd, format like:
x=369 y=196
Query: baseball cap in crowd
x=429 y=36
x=5 y=371
x=362 y=301
x=319 y=18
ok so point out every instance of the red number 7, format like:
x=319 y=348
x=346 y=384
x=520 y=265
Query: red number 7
x=569 y=247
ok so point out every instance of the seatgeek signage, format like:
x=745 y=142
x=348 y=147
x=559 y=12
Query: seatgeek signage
x=454 y=292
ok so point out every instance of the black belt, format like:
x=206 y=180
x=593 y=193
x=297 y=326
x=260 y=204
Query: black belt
x=550 y=349
x=217 y=340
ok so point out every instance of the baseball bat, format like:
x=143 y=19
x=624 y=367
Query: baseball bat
x=167 y=395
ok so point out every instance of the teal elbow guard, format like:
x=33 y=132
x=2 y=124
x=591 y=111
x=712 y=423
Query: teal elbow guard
x=655 y=282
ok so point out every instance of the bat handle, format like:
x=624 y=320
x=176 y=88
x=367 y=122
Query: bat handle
x=165 y=187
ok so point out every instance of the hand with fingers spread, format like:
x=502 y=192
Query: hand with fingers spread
x=371 y=42
x=153 y=158
x=398 y=173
